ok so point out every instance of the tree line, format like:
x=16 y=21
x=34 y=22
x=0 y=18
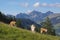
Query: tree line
x=8 y=18
x=5 y=19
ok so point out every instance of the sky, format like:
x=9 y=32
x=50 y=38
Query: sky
x=14 y=7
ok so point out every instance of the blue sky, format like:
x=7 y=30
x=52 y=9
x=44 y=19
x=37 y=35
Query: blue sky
x=16 y=6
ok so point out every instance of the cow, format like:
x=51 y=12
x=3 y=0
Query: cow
x=12 y=23
x=43 y=30
x=32 y=28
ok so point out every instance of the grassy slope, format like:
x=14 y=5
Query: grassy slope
x=14 y=33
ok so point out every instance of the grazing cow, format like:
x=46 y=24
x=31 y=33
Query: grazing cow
x=12 y=23
x=43 y=30
x=33 y=28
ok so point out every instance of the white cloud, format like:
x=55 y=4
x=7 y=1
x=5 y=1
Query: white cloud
x=29 y=11
x=19 y=4
x=55 y=5
x=24 y=4
x=44 y=4
x=50 y=5
x=58 y=5
x=37 y=4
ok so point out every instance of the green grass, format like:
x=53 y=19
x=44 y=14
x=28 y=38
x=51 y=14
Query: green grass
x=14 y=33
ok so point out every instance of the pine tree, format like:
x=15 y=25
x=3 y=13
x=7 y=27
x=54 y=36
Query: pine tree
x=48 y=25
x=18 y=22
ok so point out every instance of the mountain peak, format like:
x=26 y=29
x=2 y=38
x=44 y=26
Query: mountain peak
x=49 y=12
x=34 y=11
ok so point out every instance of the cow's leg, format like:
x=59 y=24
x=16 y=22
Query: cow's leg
x=41 y=31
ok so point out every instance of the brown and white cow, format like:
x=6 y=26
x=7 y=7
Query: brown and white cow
x=12 y=23
x=43 y=30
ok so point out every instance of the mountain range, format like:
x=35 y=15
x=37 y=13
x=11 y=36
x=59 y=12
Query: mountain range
x=37 y=17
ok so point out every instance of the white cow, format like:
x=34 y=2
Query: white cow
x=33 y=28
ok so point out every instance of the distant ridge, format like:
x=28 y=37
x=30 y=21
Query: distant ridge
x=34 y=15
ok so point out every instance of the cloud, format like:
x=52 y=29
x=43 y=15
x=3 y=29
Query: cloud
x=55 y=5
x=44 y=4
x=24 y=4
x=50 y=5
x=29 y=11
x=37 y=4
